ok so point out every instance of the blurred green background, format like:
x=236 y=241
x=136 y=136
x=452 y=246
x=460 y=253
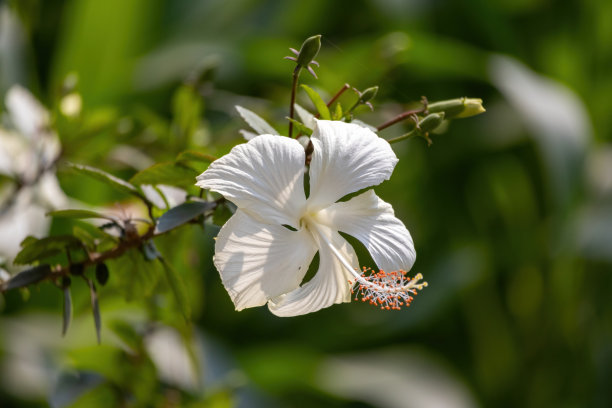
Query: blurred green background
x=510 y=211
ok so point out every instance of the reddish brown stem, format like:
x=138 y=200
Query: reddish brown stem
x=400 y=117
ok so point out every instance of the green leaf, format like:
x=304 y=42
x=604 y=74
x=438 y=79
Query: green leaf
x=187 y=106
x=106 y=178
x=95 y=307
x=28 y=277
x=78 y=214
x=133 y=275
x=45 y=248
x=192 y=155
x=182 y=214
x=126 y=333
x=168 y=173
x=258 y=124
x=179 y=290
x=318 y=102
x=301 y=128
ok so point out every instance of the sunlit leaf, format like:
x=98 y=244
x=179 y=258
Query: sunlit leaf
x=78 y=214
x=258 y=124
x=318 y=102
x=301 y=128
x=106 y=178
x=168 y=173
x=337 y=112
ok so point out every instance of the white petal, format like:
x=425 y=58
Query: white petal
x=27 y=114
x=330 y=285
x=346 y=158
x=260 y=261
x=372 y=221
x=264 y=177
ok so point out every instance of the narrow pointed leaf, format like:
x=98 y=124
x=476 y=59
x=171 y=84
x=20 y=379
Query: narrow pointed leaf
x=67 y=315
x=95 y=307
x=179 y=290
x=78 y=214
x=108 y=179
x=337 y=112
x=27 y=277
x=256 y=122
x=182 y=213
x=318 y=102
x=301 y=128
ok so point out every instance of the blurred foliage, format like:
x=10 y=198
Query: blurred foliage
x=511 y=212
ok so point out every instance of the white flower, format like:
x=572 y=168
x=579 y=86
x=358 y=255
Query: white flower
x=27 y=152
x=264 y=250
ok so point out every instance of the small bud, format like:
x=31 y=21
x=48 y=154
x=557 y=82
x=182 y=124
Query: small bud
x=458 y=108
x=368 y=95
x=308 y=52
x=102 y=274
x=431 y=122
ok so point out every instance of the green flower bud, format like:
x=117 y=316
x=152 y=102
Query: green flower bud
x=368 y=95
x=310 y=49
x=458 y=108
x=431 y=122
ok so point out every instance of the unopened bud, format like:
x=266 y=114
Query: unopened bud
x=102 y=274
x=368 y=95
x=431 y=122
x=458 y=108
x=310 y=49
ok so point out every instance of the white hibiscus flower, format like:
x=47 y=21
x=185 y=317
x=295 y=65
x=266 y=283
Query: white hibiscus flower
x=28 y=150
x=266 y=247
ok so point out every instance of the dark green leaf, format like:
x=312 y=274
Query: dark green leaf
x=179 y=290
x=318 y=102
x=28 y=277
x=44 y=248
x=301 y=128
x=192 y=155
x=95 y=307
x=108 y=179
x=181 y=214
x=78 y=214
x=28 y=240
x=258 y=124
x=168 y=173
